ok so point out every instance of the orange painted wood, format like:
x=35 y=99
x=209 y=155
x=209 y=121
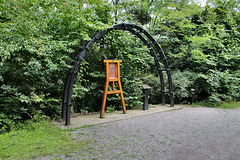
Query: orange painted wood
x=112 y=60
x=113 y=92
x=112 y=75
x=113 y=86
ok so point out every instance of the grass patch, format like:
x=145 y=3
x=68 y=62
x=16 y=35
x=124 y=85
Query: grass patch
x=197 y=105
x=36 y=139
x=77 y=128
x=223 y=105
x=229 y=105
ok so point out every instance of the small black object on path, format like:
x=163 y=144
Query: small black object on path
x=146 y=89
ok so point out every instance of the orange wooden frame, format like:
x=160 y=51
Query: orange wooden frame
x=112 y=75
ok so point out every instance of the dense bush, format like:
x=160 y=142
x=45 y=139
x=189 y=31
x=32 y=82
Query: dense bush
x=203 y=48
x=38 y=41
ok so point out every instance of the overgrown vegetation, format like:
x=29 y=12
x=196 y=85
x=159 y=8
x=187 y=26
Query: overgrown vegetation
x=39 y=39
x=222 y=105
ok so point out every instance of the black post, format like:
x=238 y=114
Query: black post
x=193 y=93
x=145 y=98
x=171 y=99
x=163 y=98
x=68 y=115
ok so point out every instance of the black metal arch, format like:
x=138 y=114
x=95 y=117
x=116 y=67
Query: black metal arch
x=134 y=29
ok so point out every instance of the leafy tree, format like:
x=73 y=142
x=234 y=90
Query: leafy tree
x=38 y=41
x=205 y=42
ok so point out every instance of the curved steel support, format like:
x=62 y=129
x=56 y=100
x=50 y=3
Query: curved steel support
x=134 y=29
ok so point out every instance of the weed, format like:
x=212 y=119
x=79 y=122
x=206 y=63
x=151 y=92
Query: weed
x=77 y=128
x=131 y=156
x=110 y=109
x=229 y=105
x=151 y=135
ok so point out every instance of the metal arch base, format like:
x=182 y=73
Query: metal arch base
x=154 y=49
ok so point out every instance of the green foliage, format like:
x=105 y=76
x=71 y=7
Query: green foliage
x=183 y=83
x=222 y=105
x=221 y=85
x=39 y=39
x=229 y=105
x=206 y=44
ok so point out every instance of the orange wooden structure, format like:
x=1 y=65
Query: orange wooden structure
x=112 y=76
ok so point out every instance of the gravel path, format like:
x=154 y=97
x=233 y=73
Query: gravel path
x=186 y=134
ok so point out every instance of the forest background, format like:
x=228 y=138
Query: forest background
x=39 y=39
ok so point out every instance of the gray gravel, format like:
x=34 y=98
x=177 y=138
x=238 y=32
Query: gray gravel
x=190 y=133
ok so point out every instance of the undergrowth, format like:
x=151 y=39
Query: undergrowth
x=222 y=105
x=229 y=105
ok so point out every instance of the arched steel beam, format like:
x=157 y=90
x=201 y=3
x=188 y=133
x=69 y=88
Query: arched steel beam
x=126 y=26
x=153 y=53
x=68 y=87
